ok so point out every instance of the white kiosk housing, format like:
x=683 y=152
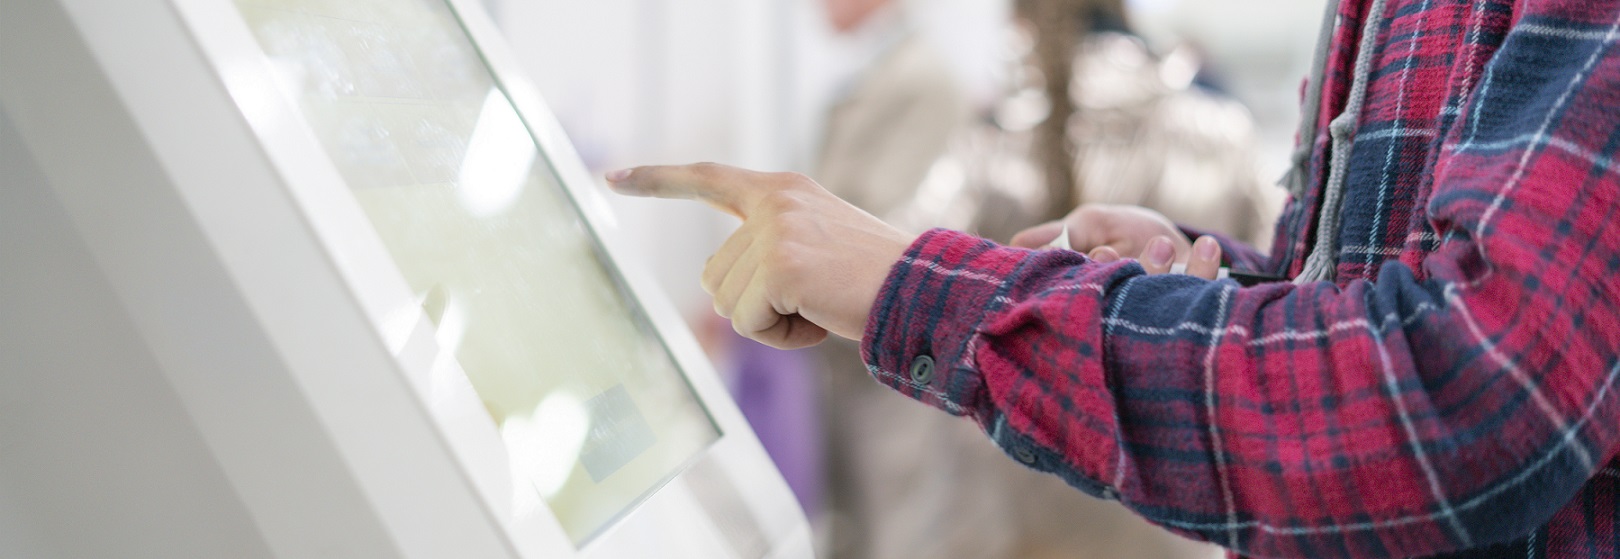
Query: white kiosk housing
x=323 y=278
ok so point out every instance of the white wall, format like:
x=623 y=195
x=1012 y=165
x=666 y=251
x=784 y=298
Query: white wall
x=640 y=82
x=741 y=82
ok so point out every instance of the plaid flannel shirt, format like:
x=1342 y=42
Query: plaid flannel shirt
x=1452 y=391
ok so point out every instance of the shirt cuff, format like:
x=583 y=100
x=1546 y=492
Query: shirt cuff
x=922 y=329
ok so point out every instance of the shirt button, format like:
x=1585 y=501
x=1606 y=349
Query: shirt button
x=1024 y=455
x=922 y=369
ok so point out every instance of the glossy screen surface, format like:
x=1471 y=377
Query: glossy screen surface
x=594 y=413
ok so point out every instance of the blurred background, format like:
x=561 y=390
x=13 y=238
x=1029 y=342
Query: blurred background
x=983 y=115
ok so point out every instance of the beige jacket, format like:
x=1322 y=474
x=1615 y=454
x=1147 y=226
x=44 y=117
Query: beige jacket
x=885 y=134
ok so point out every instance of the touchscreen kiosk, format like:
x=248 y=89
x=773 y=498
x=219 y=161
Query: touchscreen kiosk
x=593 y=410
x=413 y=260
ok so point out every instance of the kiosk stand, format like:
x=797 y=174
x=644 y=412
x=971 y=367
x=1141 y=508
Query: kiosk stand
x=323 y=278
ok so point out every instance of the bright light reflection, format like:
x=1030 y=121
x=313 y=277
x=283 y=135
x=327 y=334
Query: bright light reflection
x=452 y=325
x=256 y=99
x=498 y=158
x=545 y=446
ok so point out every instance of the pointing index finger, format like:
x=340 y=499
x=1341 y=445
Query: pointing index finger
x=727 y=188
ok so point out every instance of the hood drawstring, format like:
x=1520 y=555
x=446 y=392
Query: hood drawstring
x=1323 y=259
x=1298 y=174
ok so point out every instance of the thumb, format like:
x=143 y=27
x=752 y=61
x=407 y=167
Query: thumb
x=1205 y=261
x=728 y=189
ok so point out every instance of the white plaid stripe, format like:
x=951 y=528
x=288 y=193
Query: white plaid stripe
x=1005 y=300
x=941 y=270
x=1529 y=470
x=1393 y=384
x=1546 y=125
x=904 y=381
x=1398 y=132
x=1214 y=431
x=1286 y=335
x=1530 y=385
x=1371 y=251
x=1390 y=152
x=1562 y=32
x=1108 y=331
x=1600 y=161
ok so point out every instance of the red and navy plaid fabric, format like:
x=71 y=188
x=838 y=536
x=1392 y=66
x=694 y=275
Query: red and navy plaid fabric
x=1452 y=391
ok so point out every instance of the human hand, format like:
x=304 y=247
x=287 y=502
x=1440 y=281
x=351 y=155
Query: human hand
x=1104 y=232
x=803 y=263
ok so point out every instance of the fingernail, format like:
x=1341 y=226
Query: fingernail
x=619 y=175
x=1159 y=252
x=1206 y=248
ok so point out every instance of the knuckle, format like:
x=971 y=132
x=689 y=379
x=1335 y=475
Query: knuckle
x=792 y=239
x=791 y=227
x=713 y=275
x=798 y=183
x=782 y=201
x=782 y=265
x=710 y=279
x=705 y=169
x=794 y=180
x=1087 y=215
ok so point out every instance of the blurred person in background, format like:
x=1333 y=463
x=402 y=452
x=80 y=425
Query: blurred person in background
x=900 y=145
x=1148 y=131
x=896 y=108
x=1438 y=377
